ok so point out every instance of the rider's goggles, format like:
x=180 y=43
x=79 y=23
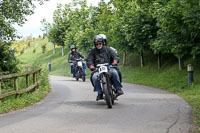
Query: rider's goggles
x=99 y=43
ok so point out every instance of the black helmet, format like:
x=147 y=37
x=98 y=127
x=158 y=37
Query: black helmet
x=72 y=47
x=98 y=38
x=104 y=38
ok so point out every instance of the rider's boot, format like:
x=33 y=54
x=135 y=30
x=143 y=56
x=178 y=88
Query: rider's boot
x=120 y=92
x=99 y=96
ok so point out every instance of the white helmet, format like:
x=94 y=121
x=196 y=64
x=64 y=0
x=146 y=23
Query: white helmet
x=104 y=38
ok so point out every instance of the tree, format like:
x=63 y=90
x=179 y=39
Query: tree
x=119 y=26
x=60 y=25
x=178 y=22
x=8 y=63
x=136 y=26
x=12 y=13
x=46 y=27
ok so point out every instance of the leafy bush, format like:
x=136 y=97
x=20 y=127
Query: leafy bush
x=22 y=51
x=34 y=50
x=8 y=62
x=44 y=48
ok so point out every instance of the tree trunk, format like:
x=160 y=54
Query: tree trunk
x=180 y=63
x=142 y=58
x=159 y=60
x=62 y=50
x=54 y=49
x=124 y=58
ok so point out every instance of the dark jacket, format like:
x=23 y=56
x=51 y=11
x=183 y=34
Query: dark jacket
x=105 y=55
x=74 y=55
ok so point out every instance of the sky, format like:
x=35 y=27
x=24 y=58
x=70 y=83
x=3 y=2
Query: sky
x=33 y=25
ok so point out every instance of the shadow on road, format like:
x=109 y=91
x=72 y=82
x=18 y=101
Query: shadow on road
x=89 y=104
x=71 y=80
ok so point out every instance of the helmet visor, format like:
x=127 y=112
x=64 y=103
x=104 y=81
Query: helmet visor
x=99 y=43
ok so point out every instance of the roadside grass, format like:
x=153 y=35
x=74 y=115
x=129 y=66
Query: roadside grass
x=169 y=77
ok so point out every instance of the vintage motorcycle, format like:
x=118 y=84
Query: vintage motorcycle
x=106 y=84
x=79 y=72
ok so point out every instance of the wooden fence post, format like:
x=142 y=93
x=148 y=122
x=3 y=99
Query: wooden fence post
x=27 y=81
x=16 y=85
x=34 y=79
x=0 y=87
x=0 y=93
x=39 y=74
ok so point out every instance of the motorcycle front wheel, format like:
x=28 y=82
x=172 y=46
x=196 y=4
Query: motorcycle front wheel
x=82 y=74
x=77 y=75
x=107 y=93
x=83 y=78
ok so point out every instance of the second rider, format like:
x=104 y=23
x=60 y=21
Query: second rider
x=73 y=55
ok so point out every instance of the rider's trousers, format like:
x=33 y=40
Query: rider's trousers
x=114 y=77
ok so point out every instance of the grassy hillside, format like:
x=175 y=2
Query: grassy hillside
x=169 y=77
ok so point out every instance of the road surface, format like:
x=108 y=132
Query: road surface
x=71 y=108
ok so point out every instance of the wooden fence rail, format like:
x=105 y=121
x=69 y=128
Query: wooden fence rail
x=15 y=76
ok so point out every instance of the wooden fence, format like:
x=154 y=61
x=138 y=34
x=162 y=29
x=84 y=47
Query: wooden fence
x=15 y=76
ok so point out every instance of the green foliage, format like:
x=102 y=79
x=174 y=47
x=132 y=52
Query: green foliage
x=34 y=50
x=8 y=63
x=22 y=51
x=177 y=21
x=60 y=26
x=46 y=26
x=160 y=26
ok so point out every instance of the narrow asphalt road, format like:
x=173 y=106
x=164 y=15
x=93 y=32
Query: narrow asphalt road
x=71 y=108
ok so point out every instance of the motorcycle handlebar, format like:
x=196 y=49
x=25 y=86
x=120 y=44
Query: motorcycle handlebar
x=81 y=59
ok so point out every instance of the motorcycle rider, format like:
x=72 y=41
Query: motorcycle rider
x=105 y=44
x=73 y=55
x=99 y=55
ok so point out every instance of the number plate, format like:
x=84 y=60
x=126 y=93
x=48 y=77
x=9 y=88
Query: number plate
x=103 y=69
x=80 y=63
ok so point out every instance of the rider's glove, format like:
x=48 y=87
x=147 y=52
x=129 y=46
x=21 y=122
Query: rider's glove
x=92 y=68
x=114 y=63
